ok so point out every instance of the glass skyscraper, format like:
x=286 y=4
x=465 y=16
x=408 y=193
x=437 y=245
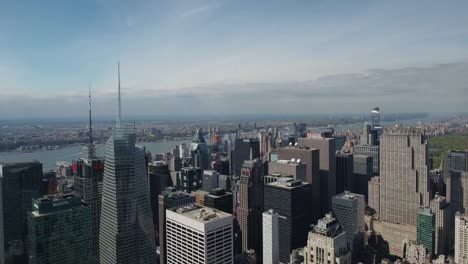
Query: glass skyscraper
x=59 y=231
x=126 y=233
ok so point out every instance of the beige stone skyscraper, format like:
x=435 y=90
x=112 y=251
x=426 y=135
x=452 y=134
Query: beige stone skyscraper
x=404 y=175
x=441 y=209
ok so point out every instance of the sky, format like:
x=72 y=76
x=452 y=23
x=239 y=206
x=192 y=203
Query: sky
x=195 y=57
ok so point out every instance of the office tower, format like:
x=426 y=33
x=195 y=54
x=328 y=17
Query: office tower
x=175 y=164
x=375 y=117
x=159 y=178
x=310 y=157
x=176 y=151
x=441 y=210
x=88 y=186
x=183 y=151
x=425 y=229
x=344 y=172
x=456 y=174
x=374 y=194
x=327 y=157
x=190 y=179
x=250 y=208
x=200 y=197
x=349 y=211
x=362 y=174
x=340 y=141
x=126 y=233
x=404 y=175
x=219 y=199
x=168 y=199
x=266 y=145
x=327 y=243
x=199 y=152
x=291 y=200
x=270 y=237
x=210 y=180
x=244 y=149
x=461 y=239
x=296 y=168
x=20 y=183
x=366 y=135
x=60 y=231
x=199 y=235
x=436 y=183
x=373 y=151
x=221 y=166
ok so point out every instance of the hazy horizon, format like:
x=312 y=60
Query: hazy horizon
x=228 y=57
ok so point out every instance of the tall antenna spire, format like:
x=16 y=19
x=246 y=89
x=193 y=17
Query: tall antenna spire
x=119 y=115
x=91 y=149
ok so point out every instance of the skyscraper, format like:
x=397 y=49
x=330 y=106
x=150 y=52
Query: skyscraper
x=349 y=211
x=20 y=183
x=327 y=243
x=327 y=157
x=126 y=232
x=169 y=199
x=461 y=239
x=88 y=177
x=344 y=172
x=373 y=151
x=441 y=210
x=271 y=245
x=250 y=208
x=219 y=199
x=190 y=179
x=291 y=200
x=362 y=174
x=210 y=180
x=244 y=149
x=404 y=175
x=425 y=229
x=159 y=178
x=199 y=235
x=59 y=231
x=456 y=174
x=375 y=117
x=374 y=194
x=310 y=157
x=266 y=145
x=199 y=152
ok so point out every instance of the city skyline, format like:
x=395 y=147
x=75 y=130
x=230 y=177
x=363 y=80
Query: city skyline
x=201 y=53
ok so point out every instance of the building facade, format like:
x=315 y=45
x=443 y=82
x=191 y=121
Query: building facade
x=219 y=199
x=126 y=232
x=271 y=245
x=327 y=243
x=362 y=174
x=200 y=156
x=374 y=194
x=310 y=157
x=374 y=152
x=199 y=235
x=344 y=172
x=170 y=198
x=250 y=208
x=404 y=175
x=190 y=179
x=290 y=199
x=349 y=211
x=461 y=239
x=19 y=184
x=441 y=210
x=425 y=229
x=244 y=149
x=60 y=231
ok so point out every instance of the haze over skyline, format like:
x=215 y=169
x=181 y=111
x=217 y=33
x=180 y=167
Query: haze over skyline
x=232 y=56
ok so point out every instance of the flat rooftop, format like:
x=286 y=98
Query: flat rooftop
x=201 y=214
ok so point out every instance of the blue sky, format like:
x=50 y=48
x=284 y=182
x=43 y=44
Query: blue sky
x=214 y=55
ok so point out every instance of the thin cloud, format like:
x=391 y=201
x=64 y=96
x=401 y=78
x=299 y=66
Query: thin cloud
x=199 y=10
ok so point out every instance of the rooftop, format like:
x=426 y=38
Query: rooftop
x=286 y=182
x=348 y=196
x=201 y=214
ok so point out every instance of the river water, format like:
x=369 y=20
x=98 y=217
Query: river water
x=50 y=157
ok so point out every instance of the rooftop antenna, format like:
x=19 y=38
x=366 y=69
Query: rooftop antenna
x=119 y=114
x=91 y=149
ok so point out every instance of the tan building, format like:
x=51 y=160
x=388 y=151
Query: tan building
x=441 y=209
x=374 y=193
x=461 y=239
x=327 y=243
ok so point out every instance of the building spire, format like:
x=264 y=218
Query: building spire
x=119 y=114
x=91 y=148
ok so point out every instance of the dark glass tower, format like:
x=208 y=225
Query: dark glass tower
x=59 y=231
x=244 y=149
x=199 y=152
x=19 y=184
x=291 y=200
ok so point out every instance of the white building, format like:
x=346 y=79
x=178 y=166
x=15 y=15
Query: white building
x=461 y=239
x=270 y=237
x=198 y=235
x=327 y=243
